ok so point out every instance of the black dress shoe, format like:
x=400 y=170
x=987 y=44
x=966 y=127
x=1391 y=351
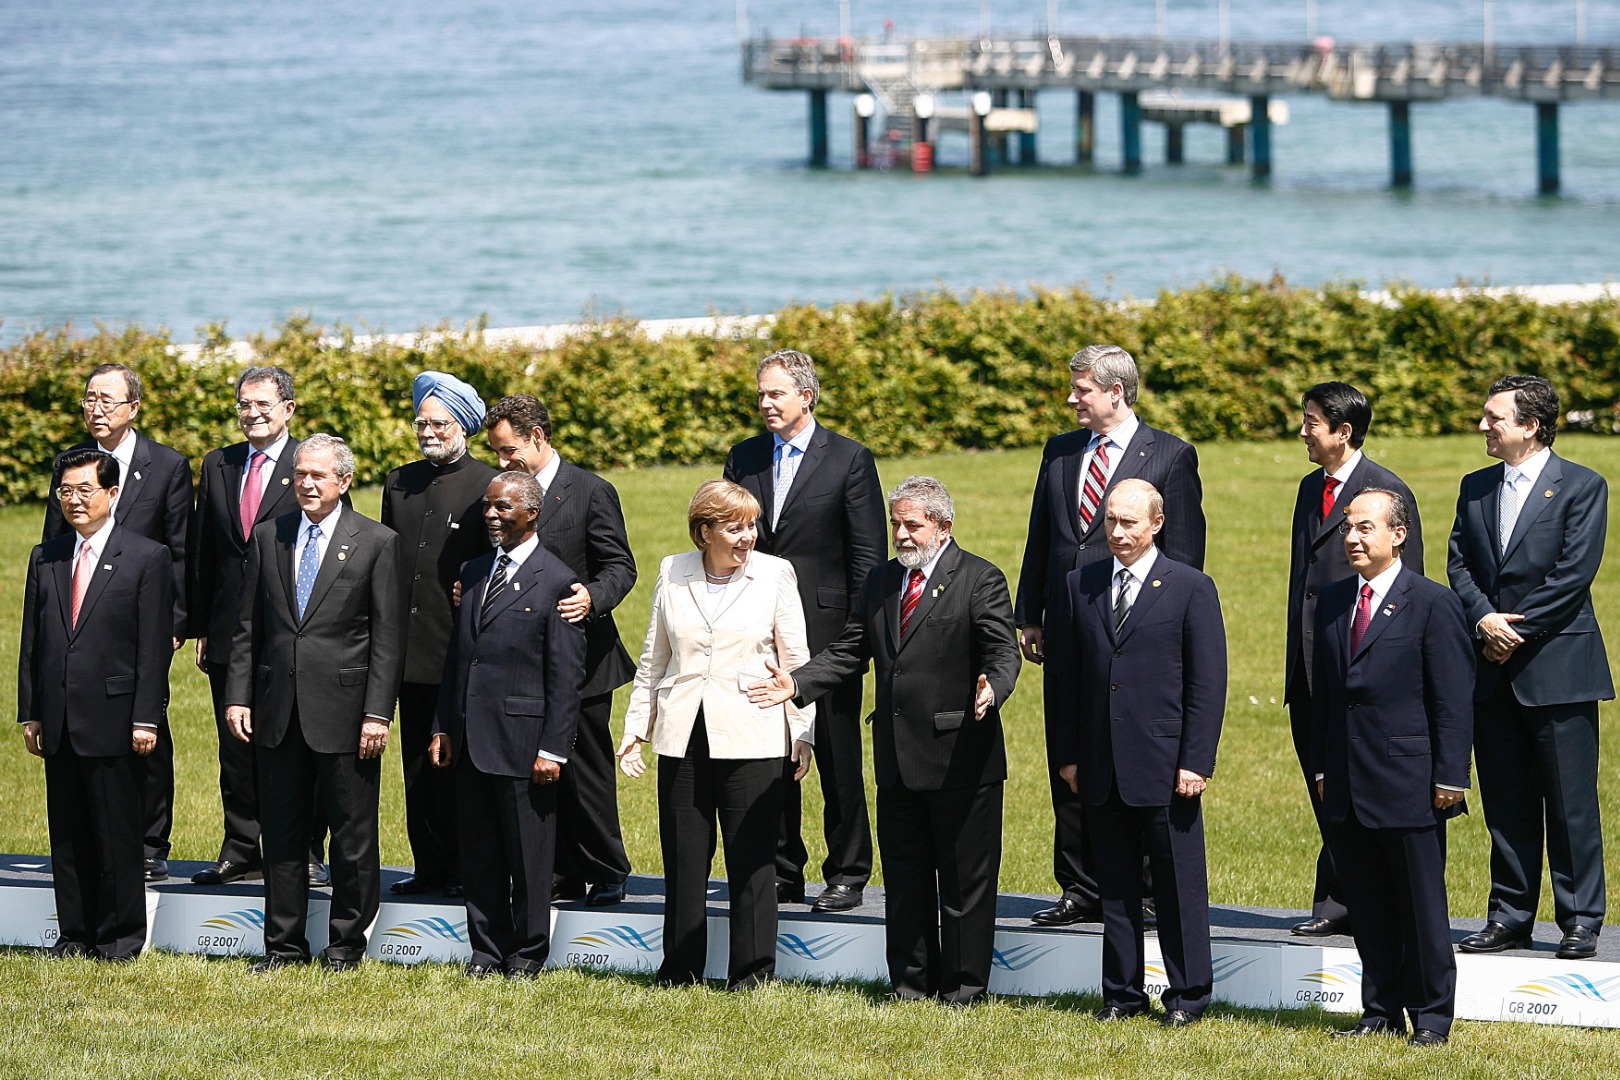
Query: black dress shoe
x=415 y=884
x=339 y=963
x=1150 y=916
x=454 y=890
x=318 y=877
x=1320 y=928
x=1425 y=1037
x=1178 y=1018
x=224 y=872
x=1109 y=1013
x=1368 y=1027
x=1065 y=912
x=563 y=890
x=1494 y=938
x=605 y=893
x=788 y=892
x=275 y=963
x=1579 y=944
x=520 y=972
x=475 y=970
x=838 y=898
x=64 y=949
x=157 y=869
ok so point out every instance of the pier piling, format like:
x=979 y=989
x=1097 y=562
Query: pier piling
x=1026 y=139
x=1174 y=144
x=1086 y=129
x=1260 y=125
x=1234 y=144
x=1547 y=147
x=1130 y=130
x=1400 y=143
x=818 y=129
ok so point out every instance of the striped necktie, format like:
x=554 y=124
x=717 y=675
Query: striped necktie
x=914 y=587
x=1091 y=492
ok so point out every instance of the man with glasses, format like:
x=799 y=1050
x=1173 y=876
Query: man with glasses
x=436 y=507
x=241 y=486
x=154 y=500
x=93 y=680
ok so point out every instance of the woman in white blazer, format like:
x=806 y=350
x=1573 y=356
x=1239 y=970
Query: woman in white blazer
x=719 y=614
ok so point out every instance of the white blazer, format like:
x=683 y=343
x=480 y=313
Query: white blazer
x=706 y=651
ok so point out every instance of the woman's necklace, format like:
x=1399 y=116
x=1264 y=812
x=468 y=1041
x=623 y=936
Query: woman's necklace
x=717 y=579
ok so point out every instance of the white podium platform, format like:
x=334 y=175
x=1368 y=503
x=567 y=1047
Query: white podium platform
x=1257 y=962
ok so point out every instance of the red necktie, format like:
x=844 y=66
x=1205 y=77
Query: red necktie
x=1329 y=486
x=1096 y=480
x=914 y=586
x=82 y=568
x=1358 y=629
x=252 y=492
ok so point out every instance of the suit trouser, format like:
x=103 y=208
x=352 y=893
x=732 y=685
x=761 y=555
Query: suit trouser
x=1172 y=837
x=1395 y=885
x=239 y=789
x=155 y=772
x=941 y=859
x=295 y=783
x=1327 y=899
x=93 y=813
x=430 y=793
x=1074 y=859
x=508 y=841
x=590 y=846
x=745 y=795
x=1538 y=777
x=844 y=817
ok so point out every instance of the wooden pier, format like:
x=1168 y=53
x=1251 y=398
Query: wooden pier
x=1001 y=75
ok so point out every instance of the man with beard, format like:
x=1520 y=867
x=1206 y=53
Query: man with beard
x=937 y=624
x=436 y=506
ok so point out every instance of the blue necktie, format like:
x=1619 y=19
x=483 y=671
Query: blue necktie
x=309 y=564
x=786 y=465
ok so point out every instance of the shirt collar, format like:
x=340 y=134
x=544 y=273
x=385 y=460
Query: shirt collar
x=97 y=540
x=1342 y=475
x=548 y=475
x=1383 y=582
x=1530 y=468
x=1120 y=436
x=125 y=450
x=328 y=523
x=799 y=442
x=518 y=555
x=273 y=452
x=927 y=568
x=1141 y=567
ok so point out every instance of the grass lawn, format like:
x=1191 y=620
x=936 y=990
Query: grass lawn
x=182 y=1016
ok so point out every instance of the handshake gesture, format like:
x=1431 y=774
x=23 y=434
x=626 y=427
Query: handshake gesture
x=780 y=687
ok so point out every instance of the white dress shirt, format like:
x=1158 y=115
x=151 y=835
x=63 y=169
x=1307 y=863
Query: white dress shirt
x=1138 y=572
x=272 y=454
x=1119 y=440
x=1522 y=479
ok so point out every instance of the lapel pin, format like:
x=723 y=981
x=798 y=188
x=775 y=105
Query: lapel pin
x=1547 y=493
x=137 y=476
x=342 y=555
x=1157 y=583
x=938 y=589
x=106 y=566
x=528 y=609
x=1389 y=610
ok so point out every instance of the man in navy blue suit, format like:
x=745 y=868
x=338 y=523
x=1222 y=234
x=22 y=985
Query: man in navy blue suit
x=1526 y=544
x=507 y=716
x=1138 y=727
x=1392 y=712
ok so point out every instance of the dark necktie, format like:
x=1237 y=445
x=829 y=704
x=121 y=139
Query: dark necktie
x=908 y=605
x=1329 y=486
x=1358 y=629
x=497 y=582
x=1122 y=600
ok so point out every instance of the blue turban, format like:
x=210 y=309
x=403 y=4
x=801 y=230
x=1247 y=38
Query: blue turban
x=459 y=400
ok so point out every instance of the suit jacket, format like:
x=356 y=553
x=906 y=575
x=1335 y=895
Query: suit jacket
x=1149 y=700
x=95 y=681
x=582 y=523
x=693 y=659
x=438 y=512
x=342 y=662
x=511 y=680
x=1057 y=545
x=155 y=501
x=1316 y=553
x=1397 y=718
x=924 y=736
x=217 y=546
x=1546 y=576
x=833 y=527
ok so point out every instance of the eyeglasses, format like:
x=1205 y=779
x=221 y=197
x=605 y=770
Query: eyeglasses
x=245 y=407
x=1360 y=528
x=439 y=427
x=103 y=404
x=82 y=493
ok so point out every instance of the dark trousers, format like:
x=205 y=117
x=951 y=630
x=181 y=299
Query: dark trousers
x=1172 y=838
x=1327 y=899
x=941 y=858
x=93 y=813
x=1538 y=779
x=508 y=843
x=844 y=817
x=590 y=847
x=239 y=789
x=1395 y=885
x=430 y=793
x=744 y=796
x=295 y=783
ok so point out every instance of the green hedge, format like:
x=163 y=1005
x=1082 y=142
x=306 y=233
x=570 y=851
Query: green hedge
x=912 y=374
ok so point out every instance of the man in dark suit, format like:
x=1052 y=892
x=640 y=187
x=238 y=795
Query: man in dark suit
x=506 y=719
x=823 y=512
x=92 y=683
x=1391 y=709
x=154 y=500
x=314 y=670
x=1337 y=416
x=581 y=523
x=242 y=485
x=1139 y=718
x=937 y=622
x=1525 y=546
x=1078 y=470
x=436 y=506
